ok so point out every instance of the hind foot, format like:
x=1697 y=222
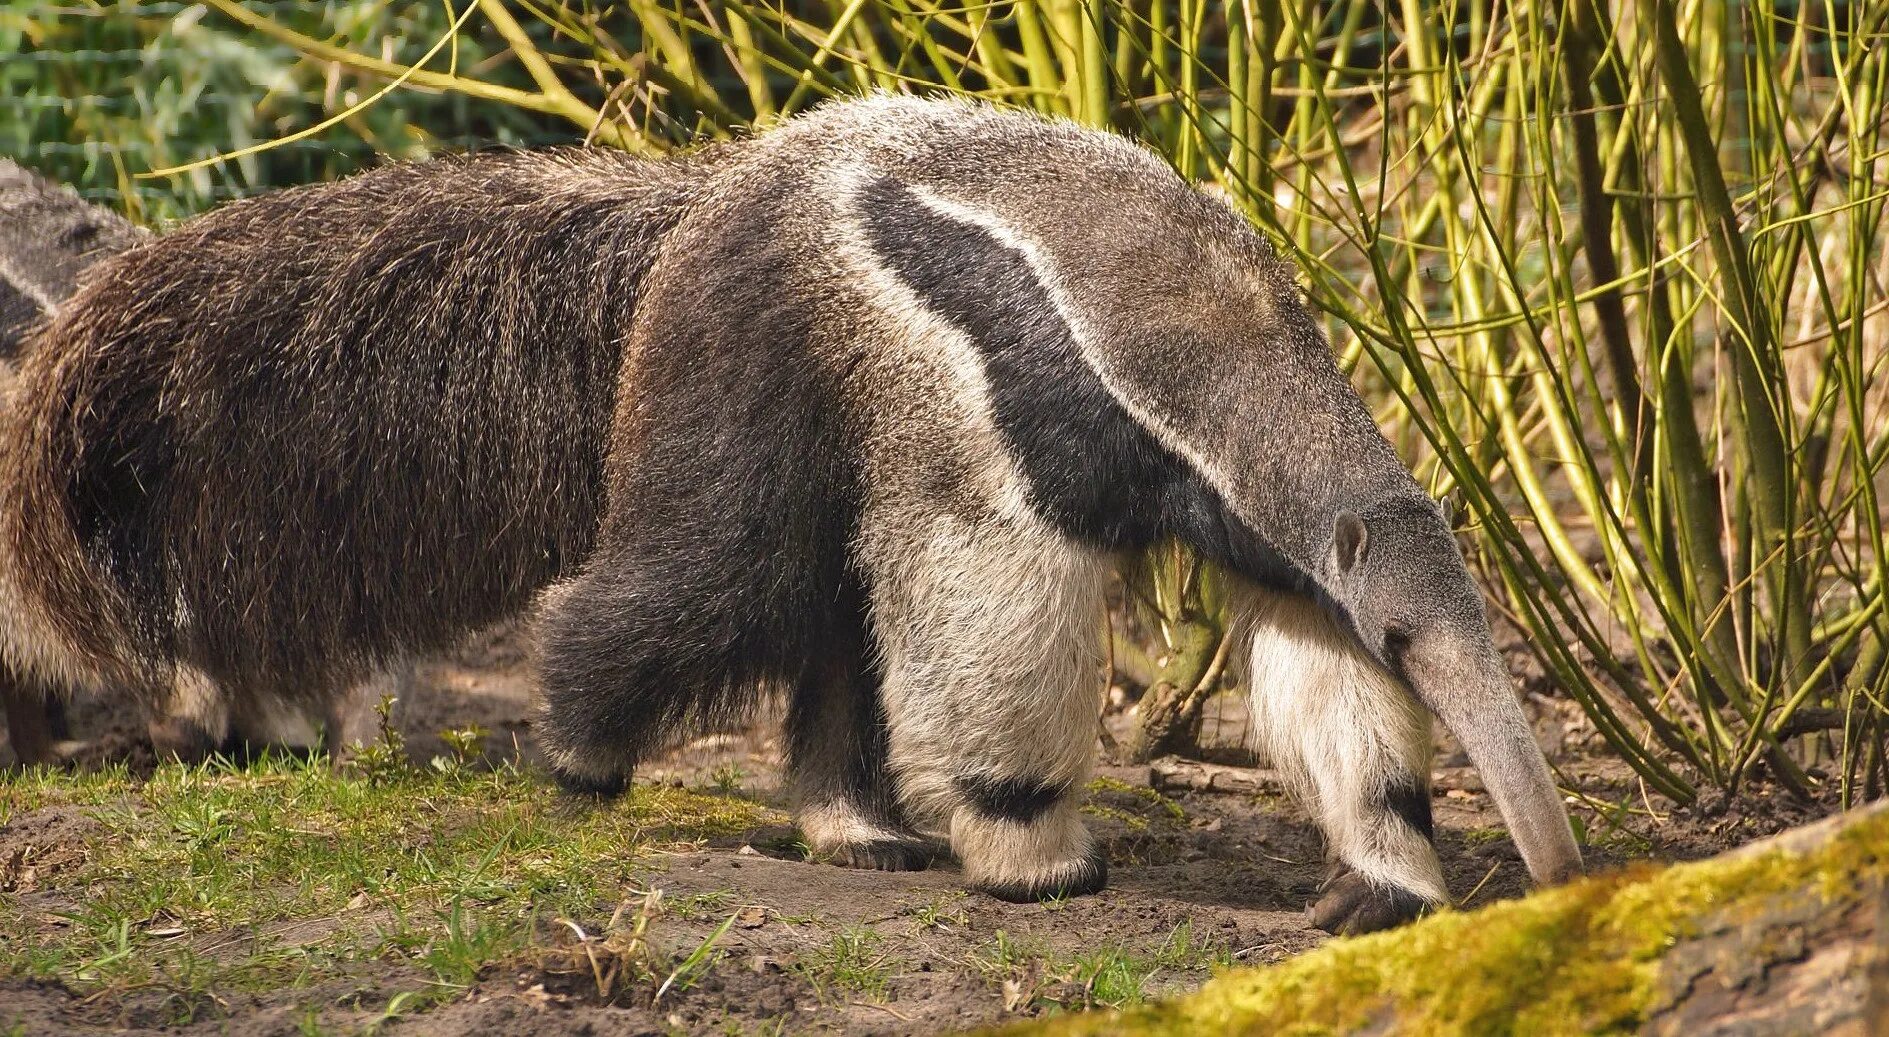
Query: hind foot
x=845 y=834
x=592 y=786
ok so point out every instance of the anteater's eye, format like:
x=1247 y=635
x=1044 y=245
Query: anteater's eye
x=1396 y=642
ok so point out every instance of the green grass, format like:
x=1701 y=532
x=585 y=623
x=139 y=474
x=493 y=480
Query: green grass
x=852 y=963
x=1110 y=975
x=202 y=880
x=940 y=915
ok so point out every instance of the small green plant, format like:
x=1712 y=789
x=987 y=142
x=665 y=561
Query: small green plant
x=935 y=916
x=385 y=761
x=203 y=824
x=469 y=937
x=727 y=778
x=1001 y=957
x=1184 y=950
x=1112 y=978
x=851 y=961
x=698 y=962
x=466 y=746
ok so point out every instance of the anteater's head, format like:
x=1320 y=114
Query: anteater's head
x=1395 y=572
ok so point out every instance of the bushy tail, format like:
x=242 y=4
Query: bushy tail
x=49 y=236
x=321 y=428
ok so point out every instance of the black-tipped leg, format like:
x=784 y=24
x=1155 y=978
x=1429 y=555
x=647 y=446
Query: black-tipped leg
x=605 y=786
x=1351 y=905
x=30 y=722
x=620 y=672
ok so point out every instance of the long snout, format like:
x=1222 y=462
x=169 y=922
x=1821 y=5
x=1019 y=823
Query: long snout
x=1476 y=702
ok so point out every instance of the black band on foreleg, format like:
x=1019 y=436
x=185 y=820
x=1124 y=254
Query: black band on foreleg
x=1017 y=800
x=1409 y=799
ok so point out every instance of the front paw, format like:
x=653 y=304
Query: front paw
x=1079 y=877
x=1351 y=905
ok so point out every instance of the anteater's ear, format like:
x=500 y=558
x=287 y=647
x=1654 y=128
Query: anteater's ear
x=1446 y=507
x=1350 y=541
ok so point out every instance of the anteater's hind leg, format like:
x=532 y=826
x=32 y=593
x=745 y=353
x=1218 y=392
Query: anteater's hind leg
x=33 y=719
x=586 y=721
x=1355 y=745
x=845 y=802
x=990 y=632
x=638 y=649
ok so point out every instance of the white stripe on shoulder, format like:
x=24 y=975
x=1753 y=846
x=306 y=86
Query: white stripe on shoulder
x=949 y=344
x=28 y=287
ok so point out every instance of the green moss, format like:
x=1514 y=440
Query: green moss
x=1476 y=837
x=1149 y=796
x=1577 y=960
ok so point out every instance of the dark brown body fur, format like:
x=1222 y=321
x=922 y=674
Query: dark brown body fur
x=440 y=338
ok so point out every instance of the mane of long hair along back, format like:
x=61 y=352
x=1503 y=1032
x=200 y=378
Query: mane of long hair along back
x=315 y=428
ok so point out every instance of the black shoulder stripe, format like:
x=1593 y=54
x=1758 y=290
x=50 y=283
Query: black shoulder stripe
x=1094 y=471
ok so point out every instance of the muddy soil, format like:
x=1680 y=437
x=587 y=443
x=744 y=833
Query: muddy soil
x=1196 y=876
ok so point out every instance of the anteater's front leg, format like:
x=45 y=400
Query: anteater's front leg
x=990 y=636
x=1355 y=746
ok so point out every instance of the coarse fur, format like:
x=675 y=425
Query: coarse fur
x=49 y=238
x=861 y=410
x=274 y=389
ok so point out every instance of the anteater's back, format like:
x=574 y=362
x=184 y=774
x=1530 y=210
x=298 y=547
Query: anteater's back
x=316 y=427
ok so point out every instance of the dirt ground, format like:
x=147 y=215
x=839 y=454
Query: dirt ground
x=1199 y=878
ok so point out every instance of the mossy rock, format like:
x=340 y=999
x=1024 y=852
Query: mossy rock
x=1788 y=936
